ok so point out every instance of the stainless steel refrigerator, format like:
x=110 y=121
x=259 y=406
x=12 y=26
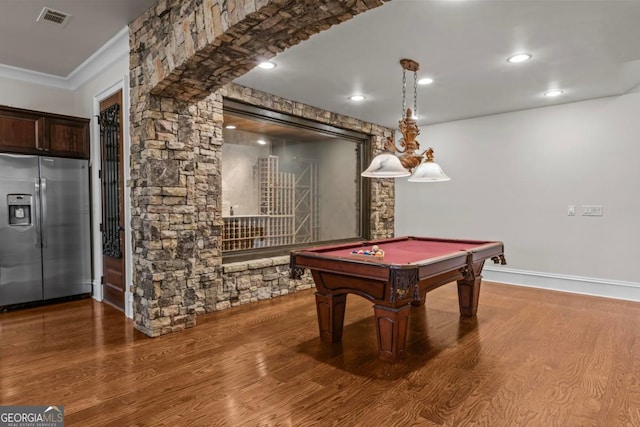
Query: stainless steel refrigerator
x=45 y=250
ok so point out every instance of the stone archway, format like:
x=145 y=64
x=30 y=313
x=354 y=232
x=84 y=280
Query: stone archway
x=181 y=53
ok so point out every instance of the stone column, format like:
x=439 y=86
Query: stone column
x=175 y=179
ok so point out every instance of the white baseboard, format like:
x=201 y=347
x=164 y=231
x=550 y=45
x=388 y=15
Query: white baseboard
x=128 y=306
x=128 y=298
x=629 y=291
x=97 y=290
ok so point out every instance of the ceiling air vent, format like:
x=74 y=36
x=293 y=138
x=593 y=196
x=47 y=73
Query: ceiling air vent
x=55 y=16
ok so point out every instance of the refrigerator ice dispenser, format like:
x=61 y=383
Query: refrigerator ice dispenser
x=20 y=208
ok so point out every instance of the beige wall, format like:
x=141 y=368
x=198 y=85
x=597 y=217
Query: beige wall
x=59 y=100
x=238 y=188
x=32 y=96
x=514 y=176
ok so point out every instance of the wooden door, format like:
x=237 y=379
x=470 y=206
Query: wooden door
x=112 y=180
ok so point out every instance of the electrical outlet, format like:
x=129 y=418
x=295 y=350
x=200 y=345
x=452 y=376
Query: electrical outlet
x=591 y=210
x=572 y=210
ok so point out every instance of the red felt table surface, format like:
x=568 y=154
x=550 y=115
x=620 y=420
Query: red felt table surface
x=410 y=251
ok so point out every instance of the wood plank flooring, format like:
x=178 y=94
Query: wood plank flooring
x=530 y=358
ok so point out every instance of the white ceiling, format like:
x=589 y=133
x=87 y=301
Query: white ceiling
x=51 y=49
x=589 y=49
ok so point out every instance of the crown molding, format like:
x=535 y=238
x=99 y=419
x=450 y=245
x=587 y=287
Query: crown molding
x=29 y=76
x=113 y=50
x=110 y=52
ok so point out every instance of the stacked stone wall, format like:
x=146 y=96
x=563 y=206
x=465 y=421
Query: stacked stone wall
x=382 y=190
x=251 y=281
x=181 y=54
x=256 y=280
x=176 y=215
x=188 y=49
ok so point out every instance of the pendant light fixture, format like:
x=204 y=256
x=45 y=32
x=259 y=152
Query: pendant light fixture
x=390 y=165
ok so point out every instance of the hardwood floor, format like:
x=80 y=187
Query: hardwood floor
x=530 y=358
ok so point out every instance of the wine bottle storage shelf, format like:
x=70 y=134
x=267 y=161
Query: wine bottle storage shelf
x=243 y=232
x=288 y=208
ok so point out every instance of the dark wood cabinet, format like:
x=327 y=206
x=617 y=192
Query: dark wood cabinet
x=32 y=132
x=67 y=137
x=21 y=132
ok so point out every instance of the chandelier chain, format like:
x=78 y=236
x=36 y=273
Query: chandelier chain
x=404 y=92
x=415 y=93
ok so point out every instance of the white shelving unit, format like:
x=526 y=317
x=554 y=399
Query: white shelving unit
x=288 y=208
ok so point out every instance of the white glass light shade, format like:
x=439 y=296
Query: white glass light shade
x=429 y=171
x=385 y=166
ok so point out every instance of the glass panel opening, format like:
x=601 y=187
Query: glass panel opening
x=287 y=183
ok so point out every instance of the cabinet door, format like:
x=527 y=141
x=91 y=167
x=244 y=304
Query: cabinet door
x=67 y=137
x=21 y=132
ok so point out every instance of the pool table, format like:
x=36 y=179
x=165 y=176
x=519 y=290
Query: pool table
x=409 y=268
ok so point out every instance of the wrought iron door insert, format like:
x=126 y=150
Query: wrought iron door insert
x=110 y=175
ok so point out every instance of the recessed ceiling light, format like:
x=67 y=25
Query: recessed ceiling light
x=519 y=57
x=267 y=65
x=425 y=81
x=229 y=127
x=262 y=142
x=552 y=93
x=357 y=98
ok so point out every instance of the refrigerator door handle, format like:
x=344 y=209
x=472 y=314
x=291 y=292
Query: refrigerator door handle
x=43 y=186
x=36 y=212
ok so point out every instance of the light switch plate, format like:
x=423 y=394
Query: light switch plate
x=591 y=210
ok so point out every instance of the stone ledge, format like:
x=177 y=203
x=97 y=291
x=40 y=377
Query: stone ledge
x=260 y=263
x=234 y=267
x=281 y=260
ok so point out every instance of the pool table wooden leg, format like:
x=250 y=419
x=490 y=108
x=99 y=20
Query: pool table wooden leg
x=330 y=310
x=391 y=325
x=422 y=300
x=468 y=296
